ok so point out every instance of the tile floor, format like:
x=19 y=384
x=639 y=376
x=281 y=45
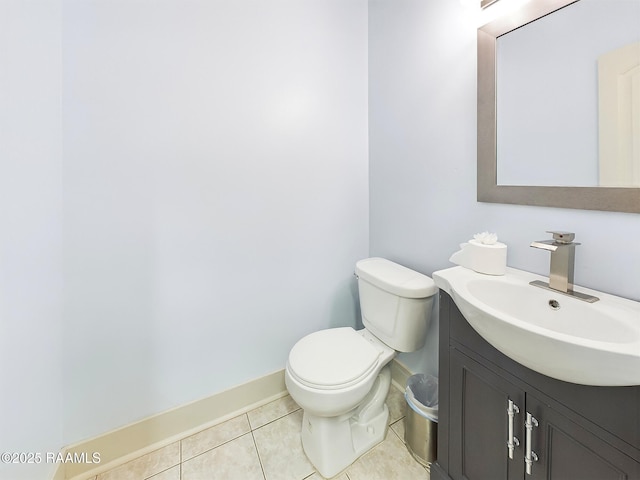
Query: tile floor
x=264 y=444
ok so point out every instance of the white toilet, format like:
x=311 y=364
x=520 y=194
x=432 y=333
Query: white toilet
x=340 y=377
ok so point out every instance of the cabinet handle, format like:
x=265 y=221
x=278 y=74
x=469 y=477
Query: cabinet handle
x=512 y=441
x=529 y=455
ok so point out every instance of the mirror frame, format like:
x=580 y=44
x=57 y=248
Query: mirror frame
x=614 y=199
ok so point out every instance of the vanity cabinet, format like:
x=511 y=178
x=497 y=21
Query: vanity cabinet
x=568 y=431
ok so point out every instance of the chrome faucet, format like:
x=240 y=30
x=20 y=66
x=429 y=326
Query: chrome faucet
x=563 y=251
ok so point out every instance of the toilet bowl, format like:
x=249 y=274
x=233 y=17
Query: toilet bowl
x=340 y=377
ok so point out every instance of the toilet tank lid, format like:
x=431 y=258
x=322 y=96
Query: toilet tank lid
x=395 y=278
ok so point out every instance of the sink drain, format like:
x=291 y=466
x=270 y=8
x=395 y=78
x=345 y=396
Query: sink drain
x=554 y=304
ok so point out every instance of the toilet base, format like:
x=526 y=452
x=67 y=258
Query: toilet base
x=334 y=443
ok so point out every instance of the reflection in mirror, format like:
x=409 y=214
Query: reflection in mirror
x=547 y=95
x=619 y=116
x=536 y=153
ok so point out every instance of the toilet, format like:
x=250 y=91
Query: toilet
x=340 y=377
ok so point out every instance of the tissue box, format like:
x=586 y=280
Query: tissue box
x=482 y=258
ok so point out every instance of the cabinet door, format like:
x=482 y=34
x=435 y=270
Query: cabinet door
x=567 y=451
x=479 y=423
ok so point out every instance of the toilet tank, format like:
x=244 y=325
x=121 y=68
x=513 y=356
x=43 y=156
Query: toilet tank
x=395 y=302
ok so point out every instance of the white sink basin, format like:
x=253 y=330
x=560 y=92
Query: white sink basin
x=559 y=336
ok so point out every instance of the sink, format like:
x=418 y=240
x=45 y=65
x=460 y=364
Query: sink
x=553 y=334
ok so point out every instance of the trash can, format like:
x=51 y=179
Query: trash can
x=421 y=422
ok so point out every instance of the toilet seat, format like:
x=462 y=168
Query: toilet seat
x=332 y=359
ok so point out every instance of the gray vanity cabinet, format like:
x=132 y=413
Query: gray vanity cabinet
x=479 y=422
x=576 y=432
x=567 y=451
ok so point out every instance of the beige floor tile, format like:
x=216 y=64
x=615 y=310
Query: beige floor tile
x=398 y=429
x=214 y=437
x=272 y=411
x=397 y=404
x=145 y=466
x=317 y=476
x=235 y=460
x=280 y=449
x=390 y=460
x=273 y=451
x=171 y=474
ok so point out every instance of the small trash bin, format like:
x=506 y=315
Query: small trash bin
x=421 y=422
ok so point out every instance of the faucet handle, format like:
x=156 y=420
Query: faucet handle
x=564 y=238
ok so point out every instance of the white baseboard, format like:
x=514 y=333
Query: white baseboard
x=132 y=441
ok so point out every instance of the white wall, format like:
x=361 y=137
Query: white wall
x=422 y=102
x=30 y=233
x=184 y=194
x=215 y=194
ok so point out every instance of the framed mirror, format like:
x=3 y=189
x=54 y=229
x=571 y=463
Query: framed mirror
x=501 y=137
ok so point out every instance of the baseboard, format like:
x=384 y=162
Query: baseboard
x=399 y=374
x=131 y=441
x=134 y=440
x=60 y=472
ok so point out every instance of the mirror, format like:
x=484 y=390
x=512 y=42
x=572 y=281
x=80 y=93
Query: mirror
x=506 y=83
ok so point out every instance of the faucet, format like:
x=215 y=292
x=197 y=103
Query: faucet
x=563 y=251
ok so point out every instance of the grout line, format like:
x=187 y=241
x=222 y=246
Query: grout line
x=219 y=445
x=396 y=434
x=162 y=471
x=255 y=445
x=252 y=430
x=274 y=420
